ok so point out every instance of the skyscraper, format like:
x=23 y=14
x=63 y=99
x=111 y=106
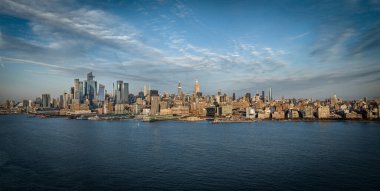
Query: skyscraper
x=146 y=90
x=76 y=89
x=125 y=93
x=141 y=95
x=45 y=100
x=334 y=100
x=101 y=93
x=263 y=96
x=90 y=87
x=154 y=102
x=81 y=92
x=119 y=91
x=179 y=89
x=196 y=88
x=72 y=93
x=248 y=97
x=270 y=94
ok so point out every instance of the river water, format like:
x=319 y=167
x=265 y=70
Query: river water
x=63 y=154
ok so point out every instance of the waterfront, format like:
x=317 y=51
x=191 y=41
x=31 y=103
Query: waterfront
x=62 y=154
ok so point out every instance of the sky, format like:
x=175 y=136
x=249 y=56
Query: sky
x=300 y=49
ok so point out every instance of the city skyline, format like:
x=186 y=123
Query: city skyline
x=299 y=49
x=89 y=88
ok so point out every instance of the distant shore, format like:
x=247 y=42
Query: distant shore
x=185 y=119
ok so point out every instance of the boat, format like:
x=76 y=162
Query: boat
x=149 y=119
x=216 y=121
x=94 y=118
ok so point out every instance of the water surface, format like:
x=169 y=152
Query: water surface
x=62 y=154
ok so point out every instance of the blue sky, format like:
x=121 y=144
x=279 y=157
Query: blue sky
x=310 y=49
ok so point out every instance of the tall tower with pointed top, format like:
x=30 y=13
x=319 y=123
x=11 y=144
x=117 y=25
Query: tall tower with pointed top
x=179 y=89
x=196 y=88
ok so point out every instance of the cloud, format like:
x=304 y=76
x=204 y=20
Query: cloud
x=368 y=39
x=352 y=31
x=15 y=60
x=91 y=24
x=318 y=85
x=299 y=36
x=333 y=44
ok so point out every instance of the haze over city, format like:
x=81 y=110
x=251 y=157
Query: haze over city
x=298 y=48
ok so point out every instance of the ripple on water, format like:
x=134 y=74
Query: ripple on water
x=4 y=157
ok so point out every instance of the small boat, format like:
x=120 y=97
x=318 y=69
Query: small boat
x=149 y=119
x=216 y=121
x=94 y=118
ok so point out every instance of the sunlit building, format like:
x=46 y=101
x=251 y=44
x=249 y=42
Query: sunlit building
x=196 y=88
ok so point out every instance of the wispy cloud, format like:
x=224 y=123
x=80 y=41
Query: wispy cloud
x=299 y=36
x=15 y=60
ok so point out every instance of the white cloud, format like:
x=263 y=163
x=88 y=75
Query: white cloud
x=299 y=36
x=16 y=60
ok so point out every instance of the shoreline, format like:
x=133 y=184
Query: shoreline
x=221 y=120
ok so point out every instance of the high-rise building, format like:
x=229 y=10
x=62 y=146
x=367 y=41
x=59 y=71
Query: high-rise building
x=90 y=87
x=119 y=91
x=61 y=101
x=154 y=102
x=101 y=92
x=248 y=97
x=65 y=100
x=257 y=96
x=81 y=94
x=25 y=103
x=125 y=93
x=72 y=93
x=263 y=96
x=153 y=93
x=196 y=88
x=78 y=90
x=334 y=100
x=45 y=100
x=270 y=94
x=141 y=95
x=179 y=90
x=146 y=90
x=233 y=97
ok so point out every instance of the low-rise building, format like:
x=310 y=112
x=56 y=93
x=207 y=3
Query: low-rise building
x=353 y=115
x=323 y=112
x=308 y=112
x=278 y=115
x=180 y=110
x=250 y=113
x=263 y=116
x=225 y=110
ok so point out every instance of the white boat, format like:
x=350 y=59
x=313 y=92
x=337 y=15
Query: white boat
x=94 y=118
